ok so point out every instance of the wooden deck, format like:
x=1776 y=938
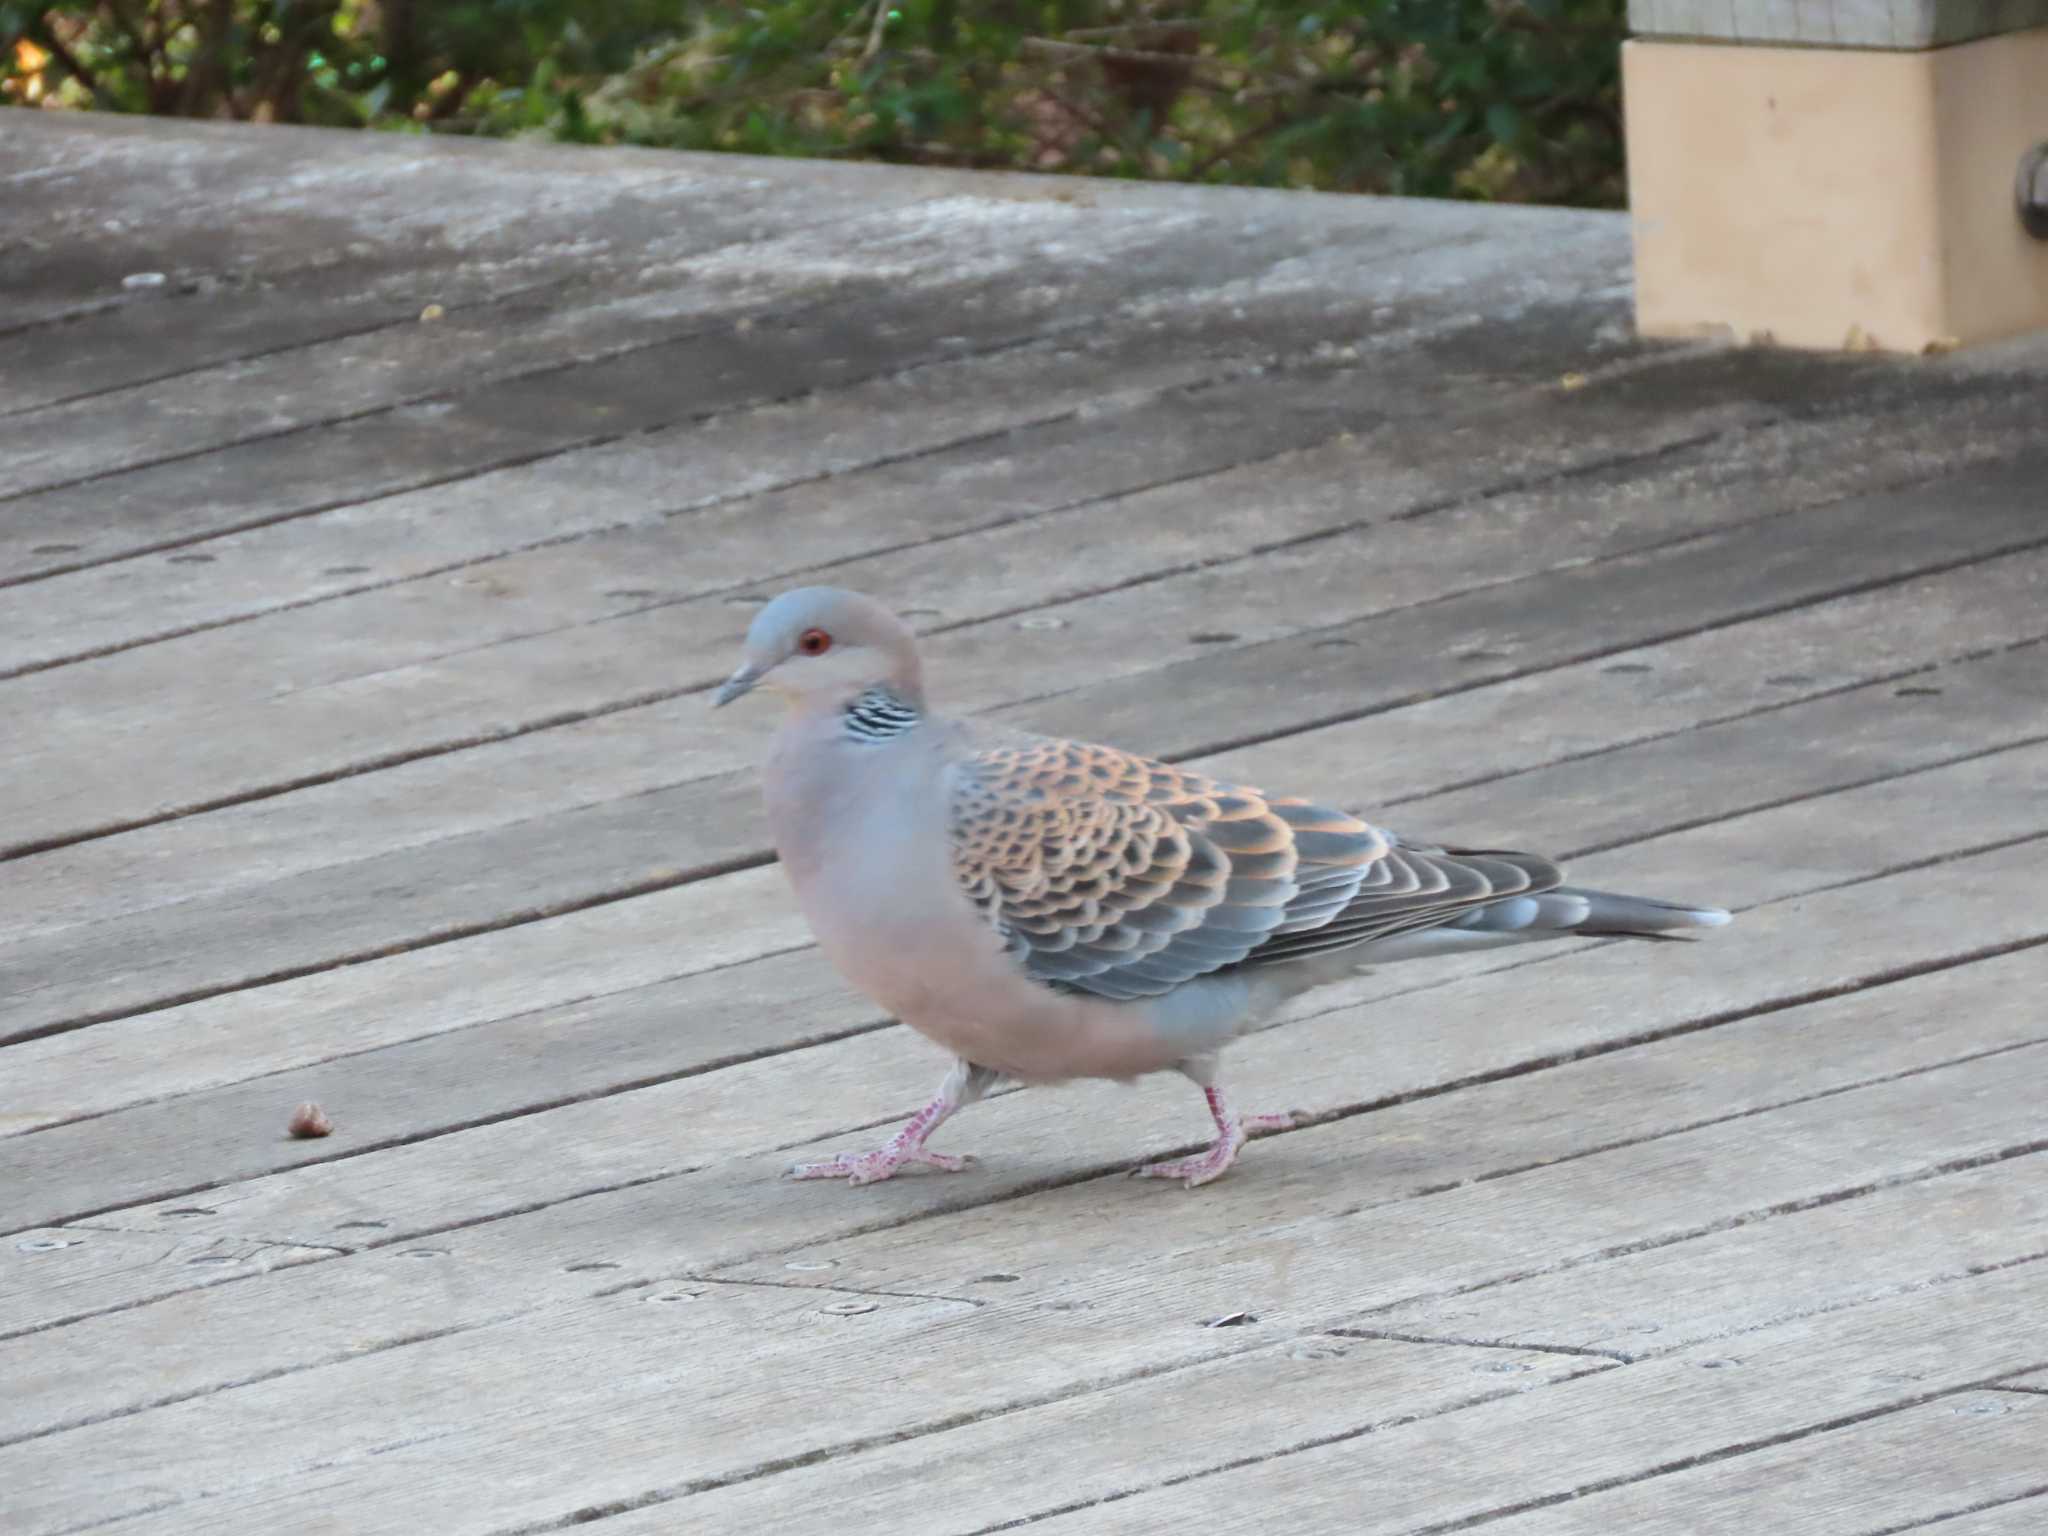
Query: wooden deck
x=354 y=658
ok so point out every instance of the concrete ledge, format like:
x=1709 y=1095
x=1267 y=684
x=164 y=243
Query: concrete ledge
x=1836 y=23
x=1835 y=198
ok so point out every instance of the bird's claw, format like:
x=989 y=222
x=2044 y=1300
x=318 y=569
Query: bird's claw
x=882 y=1163
x=1222 y=1152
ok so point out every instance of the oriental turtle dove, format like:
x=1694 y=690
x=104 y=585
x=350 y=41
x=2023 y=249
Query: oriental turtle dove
x=1047 y=909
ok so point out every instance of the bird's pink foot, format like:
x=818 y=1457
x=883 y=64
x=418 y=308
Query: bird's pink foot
x=1232 y=1131
x=882 y=1163
x=904 y=1149
x=1211 y=1164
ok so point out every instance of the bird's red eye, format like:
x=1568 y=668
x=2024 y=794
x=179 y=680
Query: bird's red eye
x=814 y=642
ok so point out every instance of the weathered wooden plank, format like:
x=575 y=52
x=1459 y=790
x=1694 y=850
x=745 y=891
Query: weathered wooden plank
x=1214 y=318
x=1207 y=294
x=1785 y=661
x=680 y=329
x=67 y=254
x=1784 y=562
x=1857 y=737
x=53 y=1277
x=2019 y=1517
x=198 y=321
x=1152 y=1431
x=1396 y=1380
x=1907 y=1469
x=596 y=1423
x=310 y=248
x=1736 y=1281
x=1920 y=1464
x=1393 y=758
x=981 y=267
x=1623 y=602
x=1795 y=1382
x=553 y=962
x=264 y=249
x=928 y=474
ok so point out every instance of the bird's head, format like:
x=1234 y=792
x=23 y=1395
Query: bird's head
x=825 y=645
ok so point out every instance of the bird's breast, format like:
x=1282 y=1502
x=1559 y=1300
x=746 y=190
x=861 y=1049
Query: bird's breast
x=862 y=836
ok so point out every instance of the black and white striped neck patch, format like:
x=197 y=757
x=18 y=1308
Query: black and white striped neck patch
x=879 y=715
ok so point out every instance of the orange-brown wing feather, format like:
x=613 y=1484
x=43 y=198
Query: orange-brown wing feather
x=1118 y=875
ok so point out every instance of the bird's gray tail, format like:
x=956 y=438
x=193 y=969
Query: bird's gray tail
x=1607 y=912
x=1558 y=913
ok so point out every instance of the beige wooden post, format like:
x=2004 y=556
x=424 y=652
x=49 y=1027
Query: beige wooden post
x=1836 y=173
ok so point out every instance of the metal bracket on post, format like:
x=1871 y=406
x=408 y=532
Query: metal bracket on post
x=2030 y=191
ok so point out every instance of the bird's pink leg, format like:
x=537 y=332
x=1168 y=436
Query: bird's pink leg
x=1232 y=1130
x=963 y=1085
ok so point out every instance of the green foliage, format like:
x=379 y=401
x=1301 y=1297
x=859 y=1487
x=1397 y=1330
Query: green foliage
x=1514 y=100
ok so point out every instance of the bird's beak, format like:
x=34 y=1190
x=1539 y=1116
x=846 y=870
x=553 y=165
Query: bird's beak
x=740 y=682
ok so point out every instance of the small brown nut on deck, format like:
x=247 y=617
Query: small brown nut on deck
x=309 y=1120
